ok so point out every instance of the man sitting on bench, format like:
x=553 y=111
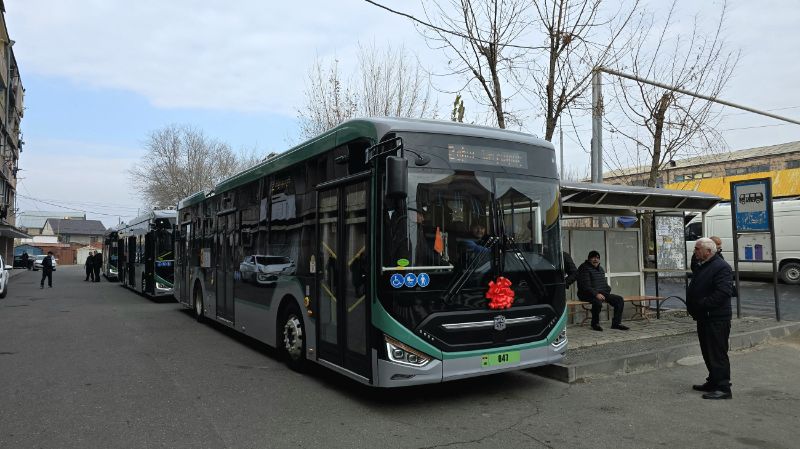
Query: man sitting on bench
x=593 y=288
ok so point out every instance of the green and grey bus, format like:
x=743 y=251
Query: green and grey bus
x=110 y=266
x=393 y=251
x=146 y=253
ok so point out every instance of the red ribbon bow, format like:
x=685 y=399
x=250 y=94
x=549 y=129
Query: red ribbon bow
x=500 y=294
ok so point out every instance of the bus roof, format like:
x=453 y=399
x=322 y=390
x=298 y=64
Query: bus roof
x=138 y=222
x=372 y=128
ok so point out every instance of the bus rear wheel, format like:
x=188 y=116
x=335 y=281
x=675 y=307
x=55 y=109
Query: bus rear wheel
x=294 y=338
x=790 y=273
x=198 y=304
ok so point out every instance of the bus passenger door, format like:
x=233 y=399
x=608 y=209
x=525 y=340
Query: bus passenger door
x=132 y=261
x=121 y=260
x=226 y=228
x=148 y=280
x=342 y=275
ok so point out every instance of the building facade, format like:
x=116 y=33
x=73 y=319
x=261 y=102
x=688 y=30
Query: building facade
x=81 y=232
x=713 y=173
x=32 y=222
x=11 y=109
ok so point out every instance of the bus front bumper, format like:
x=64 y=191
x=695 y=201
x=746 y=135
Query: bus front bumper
x=391 y=374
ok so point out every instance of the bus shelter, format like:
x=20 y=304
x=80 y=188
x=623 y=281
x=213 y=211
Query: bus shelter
x=591 y=220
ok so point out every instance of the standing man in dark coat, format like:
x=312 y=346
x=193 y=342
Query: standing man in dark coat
x=593 y=287
x=89 y=266
x=47 y=270
x=708 y=301
x=98 y=263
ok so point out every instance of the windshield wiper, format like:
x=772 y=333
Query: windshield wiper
x=534 y=278
x=462 y=279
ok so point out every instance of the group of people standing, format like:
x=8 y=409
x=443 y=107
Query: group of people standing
x=93 y=263
x=708 y=301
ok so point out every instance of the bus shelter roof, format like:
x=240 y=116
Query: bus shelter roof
x=583 y=198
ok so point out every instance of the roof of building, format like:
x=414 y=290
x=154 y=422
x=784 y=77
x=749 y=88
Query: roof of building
x=750 y=153
x=76 y=227
x=36 y=218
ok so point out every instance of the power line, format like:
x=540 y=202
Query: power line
x=65 y=207
x=454 y=33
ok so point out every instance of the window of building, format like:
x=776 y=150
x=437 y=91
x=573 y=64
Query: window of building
x=793 y=164
x=746 y=170
x=679 y=178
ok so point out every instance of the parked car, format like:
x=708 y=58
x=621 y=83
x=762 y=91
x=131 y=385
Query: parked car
x=5 y=276
x=18 y=262
x=264 y=270
x=37 y=262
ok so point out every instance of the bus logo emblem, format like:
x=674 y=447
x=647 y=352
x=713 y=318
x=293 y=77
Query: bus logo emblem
x=499 y=323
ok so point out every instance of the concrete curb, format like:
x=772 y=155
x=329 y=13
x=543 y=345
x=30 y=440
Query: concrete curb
x=659 y=358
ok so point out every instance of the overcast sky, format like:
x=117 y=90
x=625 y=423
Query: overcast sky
x=102 y=74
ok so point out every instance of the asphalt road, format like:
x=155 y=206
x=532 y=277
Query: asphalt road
x=87 y=365
x=757 y=297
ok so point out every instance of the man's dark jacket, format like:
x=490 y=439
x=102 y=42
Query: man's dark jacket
x=592 y=281
x=709 y=295
x=47 y=264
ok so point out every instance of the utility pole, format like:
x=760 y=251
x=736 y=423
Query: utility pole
x=561 y=145
x=597 y=127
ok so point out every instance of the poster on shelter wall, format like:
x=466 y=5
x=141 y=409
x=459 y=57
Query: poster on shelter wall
x=670 y=244
x=754 y=247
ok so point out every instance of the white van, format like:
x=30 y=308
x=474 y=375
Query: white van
x=787 y=238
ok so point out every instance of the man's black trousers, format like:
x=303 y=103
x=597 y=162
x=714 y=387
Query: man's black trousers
x=613 y=300
x=713 y=336
x=89 y=273
x=47 y=274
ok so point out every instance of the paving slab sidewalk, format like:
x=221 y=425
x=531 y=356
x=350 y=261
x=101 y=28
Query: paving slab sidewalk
x=650 y=345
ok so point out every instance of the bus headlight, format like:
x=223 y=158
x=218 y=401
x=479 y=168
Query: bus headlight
x=404 y=354
x=561 y=339
x=161 y=286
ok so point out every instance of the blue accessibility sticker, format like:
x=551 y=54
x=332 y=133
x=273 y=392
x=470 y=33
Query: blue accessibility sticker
x=423 y=280
x=411 y=280
x=396 y=280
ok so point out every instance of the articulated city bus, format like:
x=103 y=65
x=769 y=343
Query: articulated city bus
x=110 y=266
x=146 y=253
x=393 y=251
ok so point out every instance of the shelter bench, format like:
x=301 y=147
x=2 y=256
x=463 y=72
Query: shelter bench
x=641 y=304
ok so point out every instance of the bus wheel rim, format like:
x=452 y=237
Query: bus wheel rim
x=293 y=337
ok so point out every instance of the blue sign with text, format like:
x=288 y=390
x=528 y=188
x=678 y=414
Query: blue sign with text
x=750 y=201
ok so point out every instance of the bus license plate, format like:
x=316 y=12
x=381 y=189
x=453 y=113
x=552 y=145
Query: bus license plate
x=501 y=358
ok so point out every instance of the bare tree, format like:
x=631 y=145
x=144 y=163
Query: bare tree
x=662 y=124
x=391 y=84
x=329 y=100
x=478 y=38
x=579 y=35
x=387 y=83
x=180 y=161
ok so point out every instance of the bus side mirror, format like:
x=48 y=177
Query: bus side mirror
x=396 y=177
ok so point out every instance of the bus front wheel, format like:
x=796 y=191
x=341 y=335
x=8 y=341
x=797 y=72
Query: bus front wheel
x=294 y=338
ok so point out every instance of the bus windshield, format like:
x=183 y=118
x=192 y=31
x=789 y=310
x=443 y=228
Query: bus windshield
x=165 y=255
x=462 y=229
